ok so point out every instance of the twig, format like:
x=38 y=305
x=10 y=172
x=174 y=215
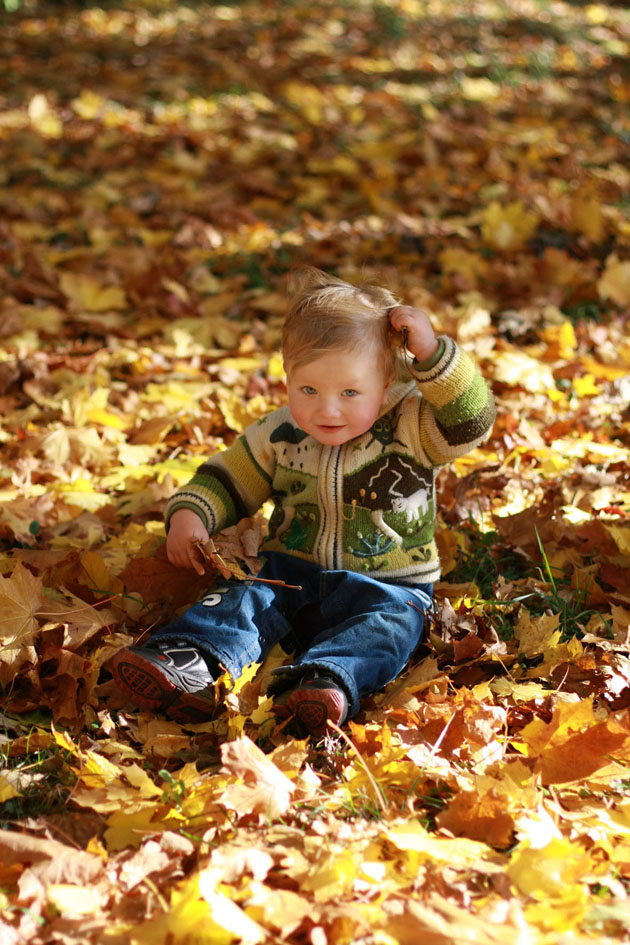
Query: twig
x=250 y=577
x=156 y=892
x=381 y=800
x=419 y=609
x=68 y=613
x=438 y=742
x=144 y=632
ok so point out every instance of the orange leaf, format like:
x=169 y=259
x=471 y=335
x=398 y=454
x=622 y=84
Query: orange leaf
x=574 y=745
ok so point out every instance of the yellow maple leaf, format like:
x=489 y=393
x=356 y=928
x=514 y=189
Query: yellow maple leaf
x=176 y=395
x=89 y=105
x=555 y=871
x=568 y=717
x=479 y=89
x=507 y=228
x=48 y=319
x=479 y=815
x=538 y=635
x=449 y=544
x=86 y=293
x=420 y=845
x=282 y=909
x=605 y=372
x=237 y=413
x=587 y=216
x=564 y=916
x=129 y=823
x=94 y=573
x=195 y=336
x=275 y=368
x=7 y=789
x=621 y=537
x=92 y=407
x=187 y=922
x=227 y=914
x=332 y=876
x=307 y=98
x=585 y=386
x=561 y=340
x=615 y=281
x=43 y=118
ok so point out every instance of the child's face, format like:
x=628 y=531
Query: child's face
x=338 y=395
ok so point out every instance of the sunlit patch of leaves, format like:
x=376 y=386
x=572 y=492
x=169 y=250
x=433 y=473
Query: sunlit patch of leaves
x=472 y=159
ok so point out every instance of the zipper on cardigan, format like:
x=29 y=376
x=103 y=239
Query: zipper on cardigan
x=328 y=544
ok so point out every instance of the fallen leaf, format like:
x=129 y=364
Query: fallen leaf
x=20 y=601
x=263 y=788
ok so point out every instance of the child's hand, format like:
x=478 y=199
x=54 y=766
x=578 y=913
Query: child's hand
x=185 y=529
x=421 y=340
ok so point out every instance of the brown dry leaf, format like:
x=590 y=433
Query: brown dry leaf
x=241 y=542
x=88 y=293
x=80 y=621
x=157 y=581
x=261 y=787
x=67 y=682
x=144 y=273
x=20 y=600
x=50 y=860
x=150 y=858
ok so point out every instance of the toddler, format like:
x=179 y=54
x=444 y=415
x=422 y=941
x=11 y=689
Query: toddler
x=350 y=465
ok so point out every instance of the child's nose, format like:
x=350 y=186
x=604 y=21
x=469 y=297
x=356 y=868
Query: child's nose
x=330 y=407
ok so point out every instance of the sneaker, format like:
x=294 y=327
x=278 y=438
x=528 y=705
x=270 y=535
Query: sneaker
x=172 y=677
x=315 y=700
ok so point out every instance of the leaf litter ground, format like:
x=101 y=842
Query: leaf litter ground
x=163 y=167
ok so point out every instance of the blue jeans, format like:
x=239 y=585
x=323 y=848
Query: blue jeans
x=358 y=630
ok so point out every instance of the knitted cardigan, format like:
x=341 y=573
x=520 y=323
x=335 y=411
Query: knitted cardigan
x=367 y=505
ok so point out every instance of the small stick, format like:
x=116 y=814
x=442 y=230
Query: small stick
x=420 y=611
x=380 y=800
x=68 y=613
x=250 y=577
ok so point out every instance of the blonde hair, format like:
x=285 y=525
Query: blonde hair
x=326 y=313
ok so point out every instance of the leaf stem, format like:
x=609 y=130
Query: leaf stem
x=250 y=577
x=381 y=800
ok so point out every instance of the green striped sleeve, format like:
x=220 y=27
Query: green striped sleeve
x=231 y=485
x=467 y=405
x=458 y=409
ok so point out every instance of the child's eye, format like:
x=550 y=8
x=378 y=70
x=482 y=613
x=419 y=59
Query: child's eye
x=308 y=390
x=350 y=392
